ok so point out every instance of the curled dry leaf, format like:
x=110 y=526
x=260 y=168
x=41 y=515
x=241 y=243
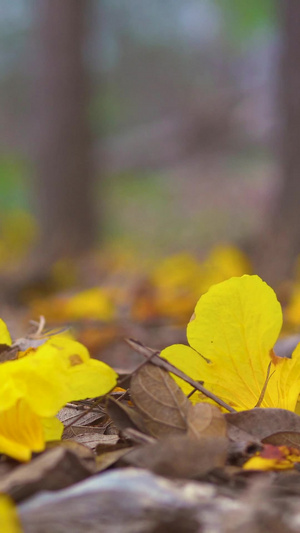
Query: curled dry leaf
x=161 y=402
x=180 y=456
x=263 y=422
x=205 y=420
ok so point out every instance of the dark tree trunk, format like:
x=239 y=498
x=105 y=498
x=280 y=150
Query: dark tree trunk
x=64 y=171
x=280 y=245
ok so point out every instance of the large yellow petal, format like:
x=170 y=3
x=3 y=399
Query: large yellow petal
x=21 y=432
x=56 y=373
x=285 y=382
x=189 y=362
x=236 y=325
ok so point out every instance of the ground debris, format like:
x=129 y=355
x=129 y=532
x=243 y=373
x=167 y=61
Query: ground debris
x=137 y=501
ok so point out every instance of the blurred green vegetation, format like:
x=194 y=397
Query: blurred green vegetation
x=243 y=19
x=15 y=183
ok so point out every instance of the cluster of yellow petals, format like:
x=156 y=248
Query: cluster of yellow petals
x=274 y=458
x=178 y=280
x=231 y=335
x=36 y=386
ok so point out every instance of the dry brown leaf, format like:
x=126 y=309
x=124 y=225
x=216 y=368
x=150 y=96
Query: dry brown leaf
x=8 y=353
x=180 y=456
x=137 y=436
x=69 y=414
x=107 y=459
x=124 y=416
x=240 y=439
x=161 y=402
x=73 y=431
x=284 y=438
x=53 y=470
x=205 y=420
x=93 y=439
x=263 y=422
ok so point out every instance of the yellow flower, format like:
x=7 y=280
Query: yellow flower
x=273 y=458
x=223 y=262
x=231 y=336
x=95 y=303
x=35 y=387
x=4 y=334
x=9 y=520
x=292 y=311
x=176 y=284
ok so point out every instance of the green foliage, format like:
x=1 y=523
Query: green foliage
x=244 y=18
x=14 y=186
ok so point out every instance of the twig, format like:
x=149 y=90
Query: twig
x=153 y=357
x=263 y=392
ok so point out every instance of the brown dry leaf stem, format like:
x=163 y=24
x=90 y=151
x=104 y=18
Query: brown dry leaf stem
x=154 y=358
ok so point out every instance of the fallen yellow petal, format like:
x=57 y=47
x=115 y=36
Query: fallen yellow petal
x=4 y=334
x=21 y=432
x=9 y=520
x=58 y=372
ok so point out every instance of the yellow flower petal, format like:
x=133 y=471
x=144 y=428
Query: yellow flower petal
x=223 y=262
x=292 y=311
x=53 y=428
x=59 y=371
x=4 y=334
x=273 y=458
x=285 y=383
x=21 y=432
x=236 y=325
x=93 y=303
x=261 y=463
x=9 y=520
x=189 y=362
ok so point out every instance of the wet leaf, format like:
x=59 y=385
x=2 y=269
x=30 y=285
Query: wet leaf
x=262 y=423
x=205 y=420
x=180 y=456
x=161 y=402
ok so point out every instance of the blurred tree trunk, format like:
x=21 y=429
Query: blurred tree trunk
x=64 y=170
x=279 y=247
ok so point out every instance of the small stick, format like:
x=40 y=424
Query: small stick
x=154 y=358
x=263 y=392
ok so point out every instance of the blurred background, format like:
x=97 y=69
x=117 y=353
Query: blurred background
x=150 y=127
